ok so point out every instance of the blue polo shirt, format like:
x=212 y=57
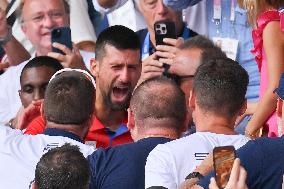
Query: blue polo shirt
x=122 y=166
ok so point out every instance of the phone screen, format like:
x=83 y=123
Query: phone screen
x=223 y=162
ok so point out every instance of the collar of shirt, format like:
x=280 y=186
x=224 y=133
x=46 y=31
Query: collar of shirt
x=98 y=125
x=60 y=132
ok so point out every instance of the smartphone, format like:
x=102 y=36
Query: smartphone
x=164 y=29
x=61 y=35
x=223 y=158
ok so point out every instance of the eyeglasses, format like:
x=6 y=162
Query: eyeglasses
x=85 y=73
x=53 y=15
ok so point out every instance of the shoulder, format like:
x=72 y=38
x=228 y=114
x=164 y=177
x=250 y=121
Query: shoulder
x=273 y=27
x=13 y=71
x=142 y=34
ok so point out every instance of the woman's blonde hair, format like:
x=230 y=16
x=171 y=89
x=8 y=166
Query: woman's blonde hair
x=255 y=7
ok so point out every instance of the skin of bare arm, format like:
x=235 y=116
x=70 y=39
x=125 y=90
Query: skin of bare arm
x=273 y=43
x=13 y=45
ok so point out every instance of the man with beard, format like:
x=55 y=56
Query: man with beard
x=117 y=69
x=153 y=118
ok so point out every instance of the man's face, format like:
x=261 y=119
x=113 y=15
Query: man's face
x=155 y=10
x=33 y=83
x=39 y=18
x=117 y=75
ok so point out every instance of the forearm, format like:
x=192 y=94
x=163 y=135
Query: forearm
x=15 y=46
x=251 y=108
x=265 y=108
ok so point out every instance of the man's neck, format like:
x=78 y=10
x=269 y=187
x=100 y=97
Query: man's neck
x=108 y=117
x=156 y=128
x=75 y=129
x=215 y=124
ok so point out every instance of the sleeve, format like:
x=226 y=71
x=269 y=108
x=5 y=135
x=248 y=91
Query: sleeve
x=108 y=10
x=180 y=4
x=36 y=126
x=158 y=169
x=80 y=23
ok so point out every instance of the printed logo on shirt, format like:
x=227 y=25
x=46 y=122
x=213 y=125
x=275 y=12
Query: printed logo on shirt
x=91 y=143
x=200 y=156
x=50 y=145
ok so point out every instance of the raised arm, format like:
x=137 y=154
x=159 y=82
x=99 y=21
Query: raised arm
x=11 y=45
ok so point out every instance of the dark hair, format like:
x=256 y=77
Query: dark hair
x=220 y=86
x=40 y=61
x=117 y=36
x=159 y=98
x=69 y=99
x=63 y=167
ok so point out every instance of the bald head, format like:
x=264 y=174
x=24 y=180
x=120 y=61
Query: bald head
x=159 y=99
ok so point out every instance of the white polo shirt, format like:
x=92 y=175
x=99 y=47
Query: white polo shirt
x=168 y=164
x=20 y=153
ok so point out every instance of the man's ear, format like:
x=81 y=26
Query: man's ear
x=243 y=108
x=94 y=67
x=191 y=101
x=279 y=107
x=131 y=122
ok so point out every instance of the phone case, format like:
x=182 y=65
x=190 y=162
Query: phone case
x=223 y=157
x=61 y=35
x=164 y=30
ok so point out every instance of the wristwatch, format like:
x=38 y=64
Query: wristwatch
x=194 y=175
x=7 y=38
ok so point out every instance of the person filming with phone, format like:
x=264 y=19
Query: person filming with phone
x=158 y=56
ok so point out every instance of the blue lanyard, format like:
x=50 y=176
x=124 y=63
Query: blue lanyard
x=146 y=44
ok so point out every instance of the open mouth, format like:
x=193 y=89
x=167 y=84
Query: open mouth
x=120 y=92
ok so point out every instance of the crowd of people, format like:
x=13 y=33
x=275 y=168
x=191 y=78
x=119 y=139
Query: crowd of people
x=118 y=110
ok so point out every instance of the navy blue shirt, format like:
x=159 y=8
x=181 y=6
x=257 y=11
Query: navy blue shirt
x=263 y=159
x=122 y=166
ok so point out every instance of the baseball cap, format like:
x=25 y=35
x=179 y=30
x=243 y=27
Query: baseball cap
x=280 y=89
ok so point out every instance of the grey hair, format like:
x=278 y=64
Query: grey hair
x=19 y=11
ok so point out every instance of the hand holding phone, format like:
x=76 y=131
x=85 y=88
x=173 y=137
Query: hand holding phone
x=223 y=158
x=61 y=35
x=164 y=29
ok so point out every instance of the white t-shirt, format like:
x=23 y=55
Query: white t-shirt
x=10 y=101
x=168 y=164
x=20 y=153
